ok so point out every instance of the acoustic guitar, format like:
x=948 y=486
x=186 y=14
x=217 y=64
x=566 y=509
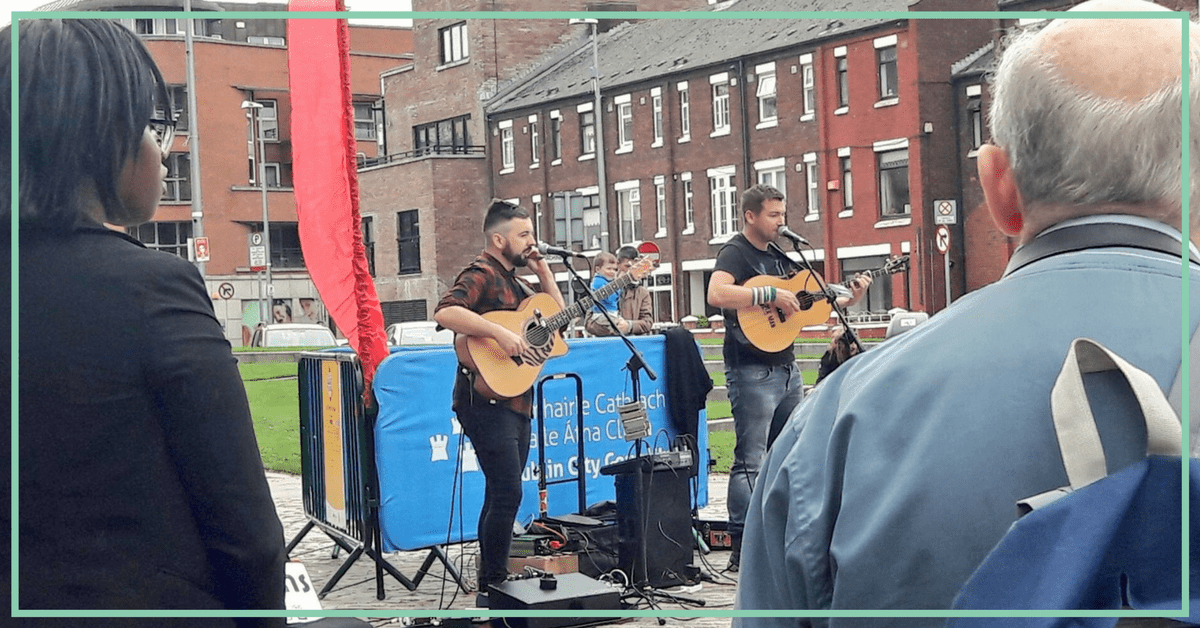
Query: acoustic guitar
x=540 y=320
x=769 y=329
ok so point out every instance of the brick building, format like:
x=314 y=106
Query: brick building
x=240 y=60
x=422 y=201
x=853 y=118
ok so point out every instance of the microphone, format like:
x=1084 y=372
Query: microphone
x=792 y=235
x=546 y=249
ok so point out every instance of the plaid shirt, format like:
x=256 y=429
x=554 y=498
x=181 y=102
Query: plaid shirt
x=485 y=286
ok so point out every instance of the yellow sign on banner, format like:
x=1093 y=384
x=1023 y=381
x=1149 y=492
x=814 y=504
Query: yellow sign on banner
x=331 y=423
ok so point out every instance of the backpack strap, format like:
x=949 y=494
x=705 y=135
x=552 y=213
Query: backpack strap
x=1092 y=236
x=1175 y=395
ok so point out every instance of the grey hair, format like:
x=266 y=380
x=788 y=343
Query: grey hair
x=1069 y=147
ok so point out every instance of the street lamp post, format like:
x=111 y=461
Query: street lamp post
x=601 y=181
x=254 y=113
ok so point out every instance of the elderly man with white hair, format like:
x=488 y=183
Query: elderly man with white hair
x=893 y=480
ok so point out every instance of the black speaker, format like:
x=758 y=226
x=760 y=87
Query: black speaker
x=568 y=591
x=654 y=507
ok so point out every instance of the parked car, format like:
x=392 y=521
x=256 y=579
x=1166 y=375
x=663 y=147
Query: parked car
x=293 y=335
x=418 y=333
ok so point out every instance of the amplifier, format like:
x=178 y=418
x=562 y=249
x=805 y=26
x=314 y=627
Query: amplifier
x=675 y=459
x=567 y=592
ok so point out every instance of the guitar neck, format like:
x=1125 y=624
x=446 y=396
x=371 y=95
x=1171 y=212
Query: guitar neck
x=870 y=273
x=586 y=303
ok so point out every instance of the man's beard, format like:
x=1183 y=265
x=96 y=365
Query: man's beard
x=517 y=259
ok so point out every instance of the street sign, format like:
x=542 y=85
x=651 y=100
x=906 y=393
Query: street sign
x=225 y=290
x=258 y=252
x=943 y=239
x=649 y=249
x=945 y=212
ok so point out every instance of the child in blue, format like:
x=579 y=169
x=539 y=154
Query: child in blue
x=604 y=271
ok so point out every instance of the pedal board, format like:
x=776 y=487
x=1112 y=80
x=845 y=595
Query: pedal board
x=531 y=545
x=714 y=533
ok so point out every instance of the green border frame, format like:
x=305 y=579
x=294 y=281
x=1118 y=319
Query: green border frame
x=17 y=16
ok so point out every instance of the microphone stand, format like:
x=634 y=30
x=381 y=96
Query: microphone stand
x=804 y=264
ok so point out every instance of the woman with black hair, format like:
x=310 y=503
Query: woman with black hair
x=141 y=484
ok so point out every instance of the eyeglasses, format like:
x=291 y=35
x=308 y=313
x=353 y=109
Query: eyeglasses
x=164 y=133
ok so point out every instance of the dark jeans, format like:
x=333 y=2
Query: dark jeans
x=501 y=440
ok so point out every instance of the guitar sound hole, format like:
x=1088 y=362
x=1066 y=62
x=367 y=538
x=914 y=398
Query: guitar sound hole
x=537 y=335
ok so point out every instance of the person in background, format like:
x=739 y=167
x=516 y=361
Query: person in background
x=634 y=303
x=604 y=271
x=901 y=472
x=141 y=484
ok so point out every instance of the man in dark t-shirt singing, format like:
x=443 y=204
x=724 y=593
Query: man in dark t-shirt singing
x=763 y=387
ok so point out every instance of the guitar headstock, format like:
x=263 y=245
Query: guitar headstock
x=897 y=264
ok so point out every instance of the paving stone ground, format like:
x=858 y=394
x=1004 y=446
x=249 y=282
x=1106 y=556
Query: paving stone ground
x=356 y=590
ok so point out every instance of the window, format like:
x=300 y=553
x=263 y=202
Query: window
x=265 y=40
x=810 y=89
x=812 y=178
x=847 y=185
x=507 y=159
x=535 y=146
x=893 y=183
x=285 y=245
x=879 y=295
x=843 y=82
x=685 y=113
x=689 y=208
x=660 y=205
x=408 y=241
x=568 y=217
x=536 y=215
x=169 y=237
x=723 y=196
x=556 y=138
x=721 y=107
x=268 y=120
x=587 y=133
x=767 y=111
x=656 y=105
x=442 y=137
x=454 y=42
x=179 y=107
x=368 y=235
x=773 y=174
x=177 y=186
x=887 y=72
x=364 y=121
x=975 y=120
x=272 y=174
x=629 y=207
x=625 y=125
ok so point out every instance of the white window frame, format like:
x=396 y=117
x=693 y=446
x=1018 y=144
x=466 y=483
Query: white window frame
x=846 y=165
x=556 y=137
x=812 y=186
x=808 y=78
x=723 y=201
x=508 y=158
x=535 y=149
x=268 y=122
x=660 y=205
x=772 y=172
x=268 y=168
x=656 y=104
x=624 y=107
x=888 y=93
x=889 y=146
x=842 y=79
x=367 y=124
x=629 y=210
x=685 y=112
x=689 y=205
x=766 y=91
x=720 y=104
x=453 y=44
x=583 y=148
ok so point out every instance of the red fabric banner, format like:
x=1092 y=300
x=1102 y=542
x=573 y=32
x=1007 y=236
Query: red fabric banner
x=325 y=174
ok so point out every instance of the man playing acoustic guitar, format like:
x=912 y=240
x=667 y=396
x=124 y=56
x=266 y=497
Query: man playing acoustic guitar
x=499 y=429
x=761 y=385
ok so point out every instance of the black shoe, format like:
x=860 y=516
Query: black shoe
x=481 y=600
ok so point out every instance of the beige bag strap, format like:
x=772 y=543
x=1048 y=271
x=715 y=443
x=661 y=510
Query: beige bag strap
x=1175 y=395
x=1078 y=438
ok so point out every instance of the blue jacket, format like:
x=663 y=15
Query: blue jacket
x=897 y=475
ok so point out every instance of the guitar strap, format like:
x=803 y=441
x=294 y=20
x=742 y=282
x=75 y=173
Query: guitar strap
x=1092 y=236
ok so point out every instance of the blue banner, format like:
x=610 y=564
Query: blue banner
x=430 y=483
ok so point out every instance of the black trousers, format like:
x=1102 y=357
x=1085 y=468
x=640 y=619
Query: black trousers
x=501 y=441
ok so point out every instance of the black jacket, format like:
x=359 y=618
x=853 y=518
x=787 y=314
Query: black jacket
x=141 y=484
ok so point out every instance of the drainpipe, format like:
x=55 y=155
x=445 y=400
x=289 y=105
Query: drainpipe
x=741 y=76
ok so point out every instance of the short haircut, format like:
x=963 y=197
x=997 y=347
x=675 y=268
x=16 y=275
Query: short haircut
x=754 y=198
x=1070 y=147
x=500 y=213
x=602 y=258
x=88 y=89
x=627 y=252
